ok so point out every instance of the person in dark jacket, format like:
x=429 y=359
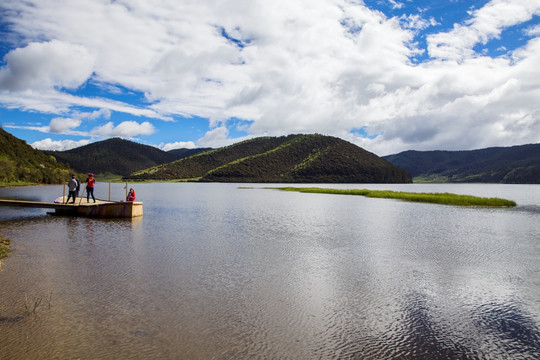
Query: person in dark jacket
x=72 y=187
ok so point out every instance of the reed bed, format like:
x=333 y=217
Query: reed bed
x=433 y=198
x=4 y=247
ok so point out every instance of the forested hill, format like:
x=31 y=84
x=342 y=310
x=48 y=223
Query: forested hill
x=293 y=158
x=511 y=165
x=183 y=153
x=114 y=156
x=21 y=163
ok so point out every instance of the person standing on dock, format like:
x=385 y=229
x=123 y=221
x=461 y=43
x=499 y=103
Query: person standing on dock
x=78 y=186
x=90 y=181
x=72 y=186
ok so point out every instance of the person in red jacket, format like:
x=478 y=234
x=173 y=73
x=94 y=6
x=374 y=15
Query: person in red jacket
x=131 y=195
x=90 y=181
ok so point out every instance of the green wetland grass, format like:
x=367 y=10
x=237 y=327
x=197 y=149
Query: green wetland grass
x=432 y=198
x=4 y=247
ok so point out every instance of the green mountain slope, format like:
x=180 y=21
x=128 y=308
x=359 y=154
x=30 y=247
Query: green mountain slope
x=115 y=156
x=512 y=165
x=183 y=153
x=21 y=163
x=293 y=158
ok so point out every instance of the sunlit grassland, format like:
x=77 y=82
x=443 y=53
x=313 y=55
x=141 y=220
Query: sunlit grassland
x=433 y=198
x=107 y=177
x=151 y=181
x=16 y=183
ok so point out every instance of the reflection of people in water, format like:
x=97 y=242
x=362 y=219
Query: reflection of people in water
x=131 y=195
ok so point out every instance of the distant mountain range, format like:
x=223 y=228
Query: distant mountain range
x=510 y=165
x=293 y=158
x=290 y=159
x=21 y=164
x=117 y=156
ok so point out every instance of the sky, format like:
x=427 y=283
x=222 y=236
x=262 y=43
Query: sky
x=386 y=75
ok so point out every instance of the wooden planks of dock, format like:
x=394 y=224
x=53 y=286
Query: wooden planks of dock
x=99 y=209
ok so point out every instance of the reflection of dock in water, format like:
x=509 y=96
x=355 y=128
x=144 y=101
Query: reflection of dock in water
x=99 y=209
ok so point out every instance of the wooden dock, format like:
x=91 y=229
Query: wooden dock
x=99 y=209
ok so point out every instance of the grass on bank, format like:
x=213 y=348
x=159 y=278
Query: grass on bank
x=4 y=247
x=151 y=181
x=433 y=198
x=105 y=177
x=15 y=183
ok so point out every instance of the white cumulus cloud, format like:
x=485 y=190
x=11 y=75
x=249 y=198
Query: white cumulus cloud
x=60 y=125
x=124 y=129
x=486 y=23
x=326 y=66
x=177 y=145
x=58 y=145
x=42 y=66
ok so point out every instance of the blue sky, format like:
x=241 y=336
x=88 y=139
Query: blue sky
x=387 y=75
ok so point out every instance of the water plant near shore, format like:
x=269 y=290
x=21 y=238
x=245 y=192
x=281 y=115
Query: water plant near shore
x=4 y=249
x=433 y=198
x=31 y=306
x=4 y=246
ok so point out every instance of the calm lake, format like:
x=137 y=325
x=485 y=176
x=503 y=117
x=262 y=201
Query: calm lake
x=218 y=271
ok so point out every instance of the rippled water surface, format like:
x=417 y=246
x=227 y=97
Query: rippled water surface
x=214 y=271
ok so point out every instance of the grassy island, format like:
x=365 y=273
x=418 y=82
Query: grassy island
x=434 y=198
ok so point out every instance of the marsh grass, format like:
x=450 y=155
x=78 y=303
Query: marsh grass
x=31 y=306
x=4 y=247
x=433 y=198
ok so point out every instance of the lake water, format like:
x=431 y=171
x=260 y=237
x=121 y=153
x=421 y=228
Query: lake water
x=215 y=271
